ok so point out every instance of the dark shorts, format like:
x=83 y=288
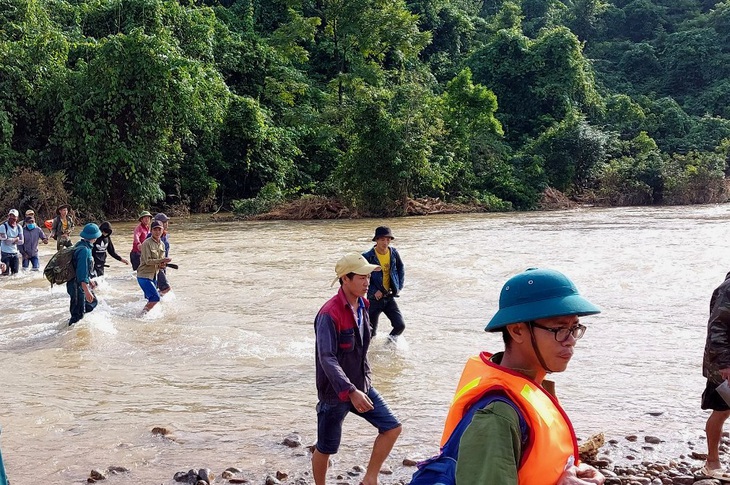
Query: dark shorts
x=331 y=416
x=712 y=400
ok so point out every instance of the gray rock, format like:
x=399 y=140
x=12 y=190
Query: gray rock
x=202 y=482
x=238 y=480
x=233 y=469
x=683 y=480
x=226 y=474
x=97 y=475
x=206 y=475
x=652 y=439
x=271 y=480
x=409 y=462
x=386 y=470
x=708 y=481
x=161 y=431
x=292 y=441
x=632 y=437
x=116 y=470
x=359 y=469
x=281 y=475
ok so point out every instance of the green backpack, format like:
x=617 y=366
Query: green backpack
x=60 y=267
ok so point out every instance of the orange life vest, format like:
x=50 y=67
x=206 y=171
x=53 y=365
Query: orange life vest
x=551 y=442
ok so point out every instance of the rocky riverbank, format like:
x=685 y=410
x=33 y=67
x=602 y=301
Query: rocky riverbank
x=619 y=459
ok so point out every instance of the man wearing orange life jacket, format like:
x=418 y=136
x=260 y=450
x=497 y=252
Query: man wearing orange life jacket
x=538 y=317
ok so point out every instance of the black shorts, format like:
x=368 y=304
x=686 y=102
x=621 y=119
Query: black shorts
x=712 y=400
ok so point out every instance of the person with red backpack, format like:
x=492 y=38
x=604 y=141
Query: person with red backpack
x=505 y=425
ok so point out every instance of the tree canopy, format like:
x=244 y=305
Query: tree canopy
x=118 y=105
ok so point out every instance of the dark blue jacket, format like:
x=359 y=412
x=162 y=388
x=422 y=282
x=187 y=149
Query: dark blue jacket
x=397 y=273
x=83 y=262
x=341 y=356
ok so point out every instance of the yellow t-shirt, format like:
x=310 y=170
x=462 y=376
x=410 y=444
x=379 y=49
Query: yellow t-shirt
x=384 y=260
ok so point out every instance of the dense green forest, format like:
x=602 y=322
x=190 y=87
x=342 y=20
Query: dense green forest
x=117 y=105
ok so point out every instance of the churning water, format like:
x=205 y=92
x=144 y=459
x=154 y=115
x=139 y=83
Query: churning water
x=226 y=360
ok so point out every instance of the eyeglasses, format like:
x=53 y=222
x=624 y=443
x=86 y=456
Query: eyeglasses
x=561 y=334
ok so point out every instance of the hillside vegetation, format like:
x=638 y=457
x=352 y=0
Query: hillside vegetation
x=117 y=105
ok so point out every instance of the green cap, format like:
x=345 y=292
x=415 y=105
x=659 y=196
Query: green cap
x=538 y=293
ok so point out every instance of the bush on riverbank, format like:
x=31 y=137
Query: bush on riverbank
x=653 y=178
x=30 y=189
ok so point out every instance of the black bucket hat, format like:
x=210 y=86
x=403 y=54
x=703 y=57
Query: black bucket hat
x=383 y=231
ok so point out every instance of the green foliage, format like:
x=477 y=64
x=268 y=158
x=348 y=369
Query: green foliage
x=695 y=178
x=130 y=103
x=269 y=196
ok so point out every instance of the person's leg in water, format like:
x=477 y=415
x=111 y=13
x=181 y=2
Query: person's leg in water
x=150 y=293
x=713 y=428
x=393 y=313
x=374 y=311
x=389 y=428
x=77 y=304
x=381 y=449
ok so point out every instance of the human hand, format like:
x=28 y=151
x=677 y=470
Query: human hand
x=89 y=296
x=581 y=475
x=361 y=401
x=125 y=261
x=725 y=373
x=378 y=295
x=45 y=241
x=93 y=284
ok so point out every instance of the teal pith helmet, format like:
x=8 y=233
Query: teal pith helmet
x=538 y=293
x=90 y=231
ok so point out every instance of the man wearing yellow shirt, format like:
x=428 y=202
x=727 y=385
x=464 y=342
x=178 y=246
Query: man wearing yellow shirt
x=385 y=285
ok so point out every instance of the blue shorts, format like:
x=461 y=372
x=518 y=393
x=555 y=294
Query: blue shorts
x=149 y=288
x=331 y=416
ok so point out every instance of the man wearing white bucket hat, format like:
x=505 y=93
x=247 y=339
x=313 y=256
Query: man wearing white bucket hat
x=342 y=330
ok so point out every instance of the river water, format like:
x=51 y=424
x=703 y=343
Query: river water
x=226 y=360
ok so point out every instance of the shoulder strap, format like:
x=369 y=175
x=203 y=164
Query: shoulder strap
x=451 y=447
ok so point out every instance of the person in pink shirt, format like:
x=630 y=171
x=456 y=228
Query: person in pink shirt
x=140 y=234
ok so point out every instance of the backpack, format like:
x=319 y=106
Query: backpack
x=60 y=268
x=441 y=469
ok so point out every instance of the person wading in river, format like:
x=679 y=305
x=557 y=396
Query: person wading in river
x=342 y=331
x=385 y=285
x=716 y=368
x=522 y=435
x=152 y=259
x=79 y=288
x=62 y=226
x=140 y=234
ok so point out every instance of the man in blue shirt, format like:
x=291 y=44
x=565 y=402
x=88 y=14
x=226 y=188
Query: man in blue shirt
x=342 y=330
x=79 y=288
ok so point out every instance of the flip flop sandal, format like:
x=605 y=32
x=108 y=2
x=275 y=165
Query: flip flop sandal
x=716 y=473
